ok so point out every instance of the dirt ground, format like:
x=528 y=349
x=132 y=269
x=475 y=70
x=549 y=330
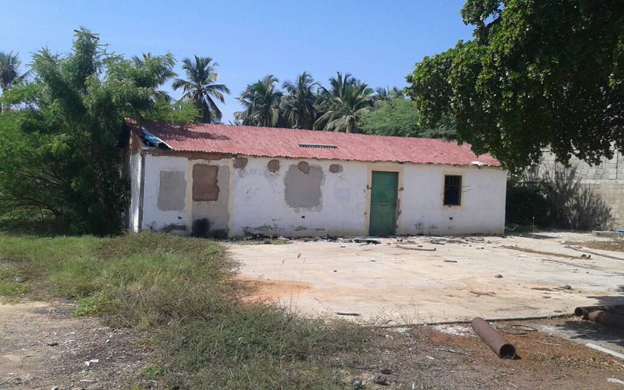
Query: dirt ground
x=416 y=280
x=453 y=357
x=43 y=347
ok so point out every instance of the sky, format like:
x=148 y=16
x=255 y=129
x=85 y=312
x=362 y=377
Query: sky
x=375 y=40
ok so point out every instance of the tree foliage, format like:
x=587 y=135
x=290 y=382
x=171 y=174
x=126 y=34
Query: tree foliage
x=61 y=151
x=399 y=117
x=298 y=103
x=343 y=104
x=537 y=74
x=201 y=88
x=261 y=104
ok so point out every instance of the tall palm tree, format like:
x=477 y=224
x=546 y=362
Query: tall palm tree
x=343 y=104
x=201 y=87
x=261 y=101
x=298 y=104
x=9 y=73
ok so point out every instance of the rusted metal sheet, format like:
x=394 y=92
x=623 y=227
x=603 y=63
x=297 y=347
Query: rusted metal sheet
x=503 y=348
x=273 y=142
x=606 y=318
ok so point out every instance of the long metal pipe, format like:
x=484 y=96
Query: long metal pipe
x=585 y=310
x=503 y=348
x=606 y=318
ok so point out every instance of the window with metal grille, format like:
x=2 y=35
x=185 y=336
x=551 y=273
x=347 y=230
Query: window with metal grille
x=319 y=146
x=452 y=190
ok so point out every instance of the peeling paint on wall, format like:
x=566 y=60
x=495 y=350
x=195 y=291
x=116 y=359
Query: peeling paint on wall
x=205 y=183
x=273 y=166
x=303 y=189
x=240 y=162
x=171 y=191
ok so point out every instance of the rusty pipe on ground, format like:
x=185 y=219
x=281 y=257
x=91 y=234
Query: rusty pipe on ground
x=585 y=310
x=503 y=348
x=606 y=318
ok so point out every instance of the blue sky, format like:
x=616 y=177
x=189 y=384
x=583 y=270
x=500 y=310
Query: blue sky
x=377 y=41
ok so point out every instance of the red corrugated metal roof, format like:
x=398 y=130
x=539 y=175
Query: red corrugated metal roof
x=274 y=142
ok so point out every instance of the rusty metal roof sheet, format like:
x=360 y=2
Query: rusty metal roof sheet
x=275 y=142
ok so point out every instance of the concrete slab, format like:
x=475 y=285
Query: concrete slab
x=398 y=283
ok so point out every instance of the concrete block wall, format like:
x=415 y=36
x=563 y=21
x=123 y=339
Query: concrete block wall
x=606 y=179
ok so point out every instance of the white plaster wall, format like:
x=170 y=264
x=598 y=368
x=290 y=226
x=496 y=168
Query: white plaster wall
x=259 y=201
x=135 y=187
x=153 y=217
x=482 y=207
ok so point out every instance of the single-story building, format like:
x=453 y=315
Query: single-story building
x=224 y=180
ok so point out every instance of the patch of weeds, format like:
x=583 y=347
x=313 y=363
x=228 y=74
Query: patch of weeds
x=12 y=284
x=182 y=291
x=97 y=304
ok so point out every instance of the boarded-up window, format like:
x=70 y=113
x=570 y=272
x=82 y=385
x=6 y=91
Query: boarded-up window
x=171 y=191
x=452 y=190
x=205 y=186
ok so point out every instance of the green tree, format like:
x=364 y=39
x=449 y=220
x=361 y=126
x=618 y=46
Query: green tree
x=399 y=117
x=9 y=73
x=538 y=74
x=298 y=103
x=261 y=102
x=61 y=150
x=386 y=95
x=343 y=104
x=201 y=87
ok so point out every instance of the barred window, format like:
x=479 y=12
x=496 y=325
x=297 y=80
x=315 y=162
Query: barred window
x=452 y=190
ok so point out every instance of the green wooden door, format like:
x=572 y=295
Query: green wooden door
x=383 y=203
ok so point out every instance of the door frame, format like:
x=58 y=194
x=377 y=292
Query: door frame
x=369 y=182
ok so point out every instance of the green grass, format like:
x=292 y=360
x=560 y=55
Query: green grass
x=182 y=290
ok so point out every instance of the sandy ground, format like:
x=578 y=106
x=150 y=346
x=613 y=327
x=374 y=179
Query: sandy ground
x=465 y=277
x=43 y=347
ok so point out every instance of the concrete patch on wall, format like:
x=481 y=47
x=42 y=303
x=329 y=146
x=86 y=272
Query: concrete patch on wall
x=215 y=207
x=171 y=191
x=240 y=162
x=304 y=167
x=335 y=168
x=205 y=182
x=303 y=189
x=273 y=166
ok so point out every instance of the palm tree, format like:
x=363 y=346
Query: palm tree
x=298 y=104
x=9 y=73
x=201 y=87
x=388 y=95
x=160 y=70
x=262 y=104
x=344 y=104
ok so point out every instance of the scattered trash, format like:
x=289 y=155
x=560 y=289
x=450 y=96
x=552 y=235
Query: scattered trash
x=92 y=361
x=340 y=313
x=379 y=379
x=416 y=248
x=584 y=256
x=615 y=381
x=450 y=261
x=455 y=330
x=517 y=329
x=503 y=348
x=605 y=350
x=429 y=357
x=453 y=351
x=567 y=287
x=52 y=344
x=386 y=371
x=363 y=240
x=499 y=276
